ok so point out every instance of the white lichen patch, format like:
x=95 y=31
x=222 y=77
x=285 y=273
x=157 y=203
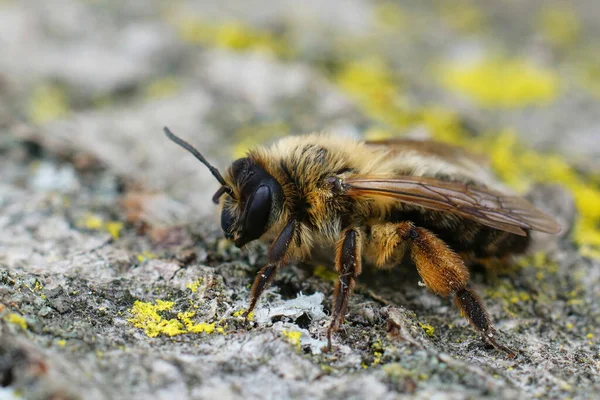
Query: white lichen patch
x=294 y=308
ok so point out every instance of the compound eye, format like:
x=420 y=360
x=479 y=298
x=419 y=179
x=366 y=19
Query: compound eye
x=226 y=221
x=257 y=213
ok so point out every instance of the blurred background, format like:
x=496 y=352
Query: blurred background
x=87 y=85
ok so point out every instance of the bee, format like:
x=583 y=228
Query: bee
x=374 y=201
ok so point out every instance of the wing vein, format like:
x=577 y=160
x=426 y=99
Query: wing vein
x=478 y=203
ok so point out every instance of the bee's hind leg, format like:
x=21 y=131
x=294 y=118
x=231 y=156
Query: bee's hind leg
x=348 y=264
x=442 y=270
x=445 y=273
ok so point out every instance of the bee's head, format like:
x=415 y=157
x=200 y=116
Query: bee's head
x=259 y=200
x=249 y=210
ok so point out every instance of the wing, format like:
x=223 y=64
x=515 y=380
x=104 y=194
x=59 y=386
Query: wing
x=488 y=207
x=445 y=151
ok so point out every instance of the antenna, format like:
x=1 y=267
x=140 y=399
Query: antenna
x=199 y=156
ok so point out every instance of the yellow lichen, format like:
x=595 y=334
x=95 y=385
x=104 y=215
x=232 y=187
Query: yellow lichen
x=442 y=124
x=241 y=312
x=378 y=91
x=162 y=88
x=48 y=102
x=390 y=15
x=519 y=166
x=201 y=327
x=512 y=300
x=325 y=273
x=193 y=286
x=566 y=386
x=16 y=319
x=588 y=74
x=462 y=16
x=429 y=330
x=253 y=135
x=293 y=337
x=560 y=26
x=61 y=343
x=146 y=316
x=191 y=326
x=377 y=348
x=233 y=35
x=146 y=255
x=114 y=228
x=395 y=370
x=377 y=133
x=519 y=297
x=499 y=82
x=94 y=222
x=372 y=83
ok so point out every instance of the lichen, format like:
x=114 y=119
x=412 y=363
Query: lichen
x=325 y=273
x=500 y=82
x=16 y=319
x=559 y=25
x=146 y=255
x=240 y=313
x=191 y=326
x=373 y=85
x=146 y=316
x=193 y=286
x=377 y=349
x=232 y=35
x=429 y=330
x=396 y=370
x=588 y=74
x=250 y=136
x=292 y=337
x=114 y=228
x=390 y=16
x=519 y=166
x=92 y=222
x=162 y=87
x=513 y=301
x=48 y=102
x=462 y=16
x=95 y=223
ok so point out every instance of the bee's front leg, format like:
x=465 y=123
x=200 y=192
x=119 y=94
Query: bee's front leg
x=348 y=264
x=276 y=257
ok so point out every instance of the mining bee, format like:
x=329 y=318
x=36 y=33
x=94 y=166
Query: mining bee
x=375 y=201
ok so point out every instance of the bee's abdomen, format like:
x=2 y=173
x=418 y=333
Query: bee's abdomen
x=490 y=242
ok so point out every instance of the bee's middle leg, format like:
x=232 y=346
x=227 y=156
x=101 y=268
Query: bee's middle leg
x=348 y=264
x=442 y=270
